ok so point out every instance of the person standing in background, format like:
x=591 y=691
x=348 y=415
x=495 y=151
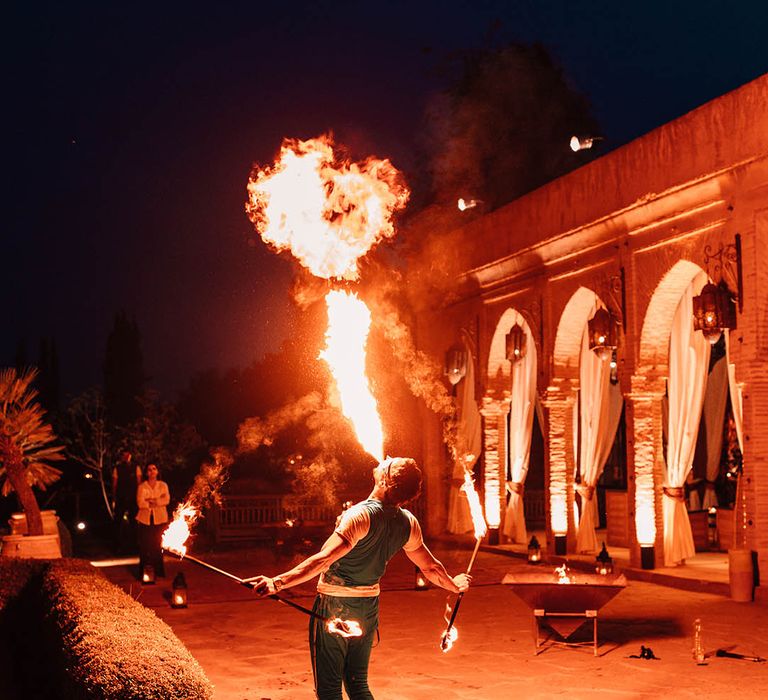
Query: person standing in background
x=125 y=480
x=152 y=497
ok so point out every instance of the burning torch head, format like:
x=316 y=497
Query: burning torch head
x=401 y=477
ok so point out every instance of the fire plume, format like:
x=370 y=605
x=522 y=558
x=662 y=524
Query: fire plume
x=476 y=510
x=177 y=533
x=348 y=322
x=328 y=212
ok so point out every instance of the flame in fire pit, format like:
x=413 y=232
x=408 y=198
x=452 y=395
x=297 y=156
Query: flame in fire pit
x=348 y=324
x=344 y=628
x=476 y=510
x=562 y=574
x=177 y=533
x=328 y=213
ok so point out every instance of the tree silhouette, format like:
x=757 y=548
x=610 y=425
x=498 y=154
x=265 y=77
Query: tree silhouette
x=124 y=376
x=503 y=126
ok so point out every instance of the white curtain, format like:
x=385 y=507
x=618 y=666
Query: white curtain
x=521 y=407
x=714 y=418
x=469 y=445
x=737 y=399
x=688 y=364
x=597 y=431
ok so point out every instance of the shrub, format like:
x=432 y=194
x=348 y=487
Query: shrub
x=99 y=642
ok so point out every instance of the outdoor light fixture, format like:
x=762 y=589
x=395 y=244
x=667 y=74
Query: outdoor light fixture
x=614 y=366
x=603 y=562
x=455 y=365
x=712 y=535
x=602 y=333
x=583 y=143
x=713 y=311
x=179 y=591
x=80 y=526
x=148 y=574
x=561 y=545
x=464 y=204
x=420 y=581
x=647 y=556
x=534 y=551
x=515 y=343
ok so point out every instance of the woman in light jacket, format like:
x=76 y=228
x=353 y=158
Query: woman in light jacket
x=152 y=497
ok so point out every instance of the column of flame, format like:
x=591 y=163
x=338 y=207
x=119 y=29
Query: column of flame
x=329 y=214
x=348 y=323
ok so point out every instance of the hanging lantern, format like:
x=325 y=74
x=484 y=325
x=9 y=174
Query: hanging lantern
x=515 y=343
x=179 y=591
x=603 y=562
x=602 y=333
x=713 y=310
x=420 y=581
x=614 y=367
x=148 y=574
x=534 y=551
x=455 y=365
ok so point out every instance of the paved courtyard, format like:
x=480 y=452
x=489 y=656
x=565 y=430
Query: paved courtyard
x=255 y=649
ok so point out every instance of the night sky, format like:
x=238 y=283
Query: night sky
x=132 y=128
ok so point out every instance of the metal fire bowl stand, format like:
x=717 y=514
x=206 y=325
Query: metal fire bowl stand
x=564 y=607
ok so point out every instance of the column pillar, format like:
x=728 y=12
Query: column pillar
x=559 y=403
x=494 y=412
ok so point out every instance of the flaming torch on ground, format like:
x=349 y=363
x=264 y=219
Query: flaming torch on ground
x=478 y=521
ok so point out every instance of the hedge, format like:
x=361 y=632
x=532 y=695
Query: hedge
x=76 y=635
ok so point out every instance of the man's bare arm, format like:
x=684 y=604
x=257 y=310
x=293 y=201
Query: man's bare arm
x=335 y=548
x=436 y=572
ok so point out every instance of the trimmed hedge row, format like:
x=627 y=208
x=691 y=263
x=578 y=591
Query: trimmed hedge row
x=96 y=641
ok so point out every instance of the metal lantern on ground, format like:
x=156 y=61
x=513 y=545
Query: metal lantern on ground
x=534 y=551
x=713 y=310
x=455 y=365
x=148 y=574
x=420 y=581
x=602 y=333
x=179 y=597
x=603 y=562
x=515 y=343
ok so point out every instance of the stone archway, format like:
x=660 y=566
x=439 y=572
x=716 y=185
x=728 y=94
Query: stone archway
x=560 y=403
x=496 y=403
x=648 y=386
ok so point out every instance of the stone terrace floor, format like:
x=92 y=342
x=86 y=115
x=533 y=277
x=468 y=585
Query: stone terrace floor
x=256 y=649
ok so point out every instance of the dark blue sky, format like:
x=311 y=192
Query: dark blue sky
x=132 y=129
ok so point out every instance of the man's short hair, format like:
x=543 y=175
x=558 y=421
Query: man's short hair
x=403 y=478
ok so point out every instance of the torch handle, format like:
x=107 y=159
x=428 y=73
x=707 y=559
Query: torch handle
x=248 y=584
x=474 y=554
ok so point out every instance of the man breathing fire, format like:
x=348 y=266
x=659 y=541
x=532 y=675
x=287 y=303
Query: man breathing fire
x=351 y=563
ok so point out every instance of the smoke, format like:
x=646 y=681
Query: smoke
x=421 y=373
x=256 y=431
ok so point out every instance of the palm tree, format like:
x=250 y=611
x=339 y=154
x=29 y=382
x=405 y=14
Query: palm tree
x=27 y=443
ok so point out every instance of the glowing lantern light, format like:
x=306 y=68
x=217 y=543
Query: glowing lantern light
x=713 y=310
x=534 y=551
x=179 y=592
x=604 y=562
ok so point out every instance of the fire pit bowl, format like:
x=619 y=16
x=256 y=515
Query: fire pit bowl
x=565 y=606
x=541 y=590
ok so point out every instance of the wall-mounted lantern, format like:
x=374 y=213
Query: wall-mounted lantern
x=602 y=333
x=515 y=343
x=713 y=310
x=455 y=365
